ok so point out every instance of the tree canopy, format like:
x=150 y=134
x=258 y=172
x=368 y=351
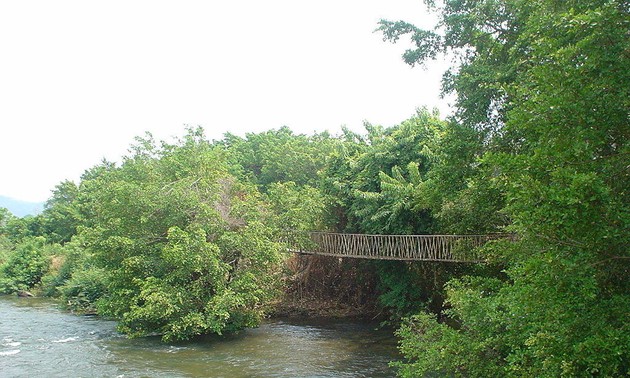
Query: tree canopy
x=546 y=85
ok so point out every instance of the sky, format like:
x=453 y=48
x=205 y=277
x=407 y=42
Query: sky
x=80 y=79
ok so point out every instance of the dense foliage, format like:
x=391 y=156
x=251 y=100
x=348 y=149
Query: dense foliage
x=26 y=265
x=168 y=242
x=546 y=84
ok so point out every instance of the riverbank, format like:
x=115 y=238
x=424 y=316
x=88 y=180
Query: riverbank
x=306 y=308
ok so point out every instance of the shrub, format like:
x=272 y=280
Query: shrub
x=26 y=265
x=83 y=289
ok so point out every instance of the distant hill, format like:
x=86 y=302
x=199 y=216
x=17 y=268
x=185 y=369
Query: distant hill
x=21 y=208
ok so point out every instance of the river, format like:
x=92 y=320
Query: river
x=39 y=340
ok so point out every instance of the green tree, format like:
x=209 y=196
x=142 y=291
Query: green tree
x=185 y=247
x=26 y=265
x=297 y=208
x=5 y=243
x=61 y=214
x=18 y=229
x=363 y=170
x=5 y=216
x=547 y=82
x=278 y=156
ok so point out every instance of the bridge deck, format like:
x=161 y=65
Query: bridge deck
x=448 y=248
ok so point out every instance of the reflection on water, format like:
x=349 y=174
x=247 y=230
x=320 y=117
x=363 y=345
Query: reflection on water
x=36 y=339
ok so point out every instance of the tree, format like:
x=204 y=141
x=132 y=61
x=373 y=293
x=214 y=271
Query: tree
x=362 y=178
x=29 y=226
x=26 y=265
x=278 y=156
x=547 y=84
x=5 y=243
x=5 y=216
x=185 y=247
x=61 y=213
x=297 y=208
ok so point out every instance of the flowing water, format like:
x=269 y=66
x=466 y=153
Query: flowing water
x=38 y=340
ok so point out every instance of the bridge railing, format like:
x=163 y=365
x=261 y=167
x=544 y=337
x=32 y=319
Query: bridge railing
x=454 y=248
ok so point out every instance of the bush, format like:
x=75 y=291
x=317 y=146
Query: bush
x=26 y=265
x=83 y=289
x=70 y=258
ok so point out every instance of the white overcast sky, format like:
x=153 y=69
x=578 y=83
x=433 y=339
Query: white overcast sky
x=80 y=79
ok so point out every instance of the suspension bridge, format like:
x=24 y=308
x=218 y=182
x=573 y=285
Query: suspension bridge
x=446 y=248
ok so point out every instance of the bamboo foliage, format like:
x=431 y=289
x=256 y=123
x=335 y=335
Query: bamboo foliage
x=448 y=248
